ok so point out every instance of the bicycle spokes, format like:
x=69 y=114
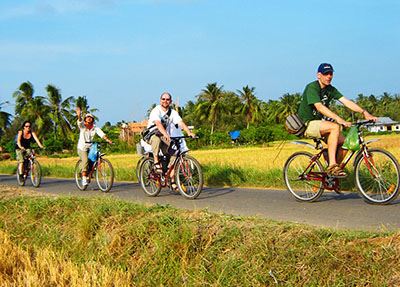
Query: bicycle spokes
x=377 y=176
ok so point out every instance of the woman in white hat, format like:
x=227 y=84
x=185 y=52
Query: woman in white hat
x=87 y=131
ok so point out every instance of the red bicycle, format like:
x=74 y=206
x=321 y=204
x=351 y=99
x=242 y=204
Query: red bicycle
x=376 y=172
x=188 y=174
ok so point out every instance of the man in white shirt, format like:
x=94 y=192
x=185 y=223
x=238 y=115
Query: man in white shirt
x=87 y=130
x=163 y=118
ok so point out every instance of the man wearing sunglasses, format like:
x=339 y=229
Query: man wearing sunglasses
x=161 y=122
x=322 y=122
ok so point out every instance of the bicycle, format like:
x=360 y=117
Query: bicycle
x=102 y=169
x=188 y=173
x=376 y=172
x=31 y=168
x=143 y=155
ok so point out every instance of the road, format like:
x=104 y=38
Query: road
x=344 y=211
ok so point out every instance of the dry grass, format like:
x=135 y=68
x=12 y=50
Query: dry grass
x=262 y=158
x=240 y=166
x=103 y=242
x=44 y=267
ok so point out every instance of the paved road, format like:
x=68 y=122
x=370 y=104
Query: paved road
x=345 y=211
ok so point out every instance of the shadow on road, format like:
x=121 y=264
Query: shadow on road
x=346 y=196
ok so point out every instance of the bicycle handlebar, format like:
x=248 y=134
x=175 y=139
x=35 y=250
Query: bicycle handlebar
x=362 y=123
x=184 y=137
x=99 y=142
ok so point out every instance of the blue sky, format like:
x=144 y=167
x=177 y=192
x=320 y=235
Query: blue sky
x=122 y=54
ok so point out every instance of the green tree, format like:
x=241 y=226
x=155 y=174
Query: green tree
x=287 y=104
x=59 y=111
x=23 y=96
x=210 y=104
x=5 y=119
x=251 y=106
x=83 y=104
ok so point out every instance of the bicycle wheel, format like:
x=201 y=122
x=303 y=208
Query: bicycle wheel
x=20 y=178
x=35 y=173
x=295 y=172
x=104 y=174
x=377 y=176
x=78 y=176
x=148 y=179
x=138 y=166
x=189 y=176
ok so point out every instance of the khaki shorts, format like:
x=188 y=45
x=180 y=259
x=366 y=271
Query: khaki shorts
x=313 y=129
x=21 y=154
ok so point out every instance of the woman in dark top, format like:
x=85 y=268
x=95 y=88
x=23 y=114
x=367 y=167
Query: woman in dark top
x=23 y=146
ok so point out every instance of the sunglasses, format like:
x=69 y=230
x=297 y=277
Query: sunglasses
x=165 y=99
x=27 y=126
x=328 y=73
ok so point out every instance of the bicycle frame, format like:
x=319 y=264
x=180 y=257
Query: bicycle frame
x=329 y=182
x=95 y=164
x=27 y=164
x=164 y=178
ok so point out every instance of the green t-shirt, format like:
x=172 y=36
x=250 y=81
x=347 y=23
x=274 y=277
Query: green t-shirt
x=314 y=94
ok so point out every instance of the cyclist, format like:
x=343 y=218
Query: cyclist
x=87 y=130
x=161 y=123
x=23 y=144
x=323 y=122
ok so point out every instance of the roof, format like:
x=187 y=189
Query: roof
x=385 y=121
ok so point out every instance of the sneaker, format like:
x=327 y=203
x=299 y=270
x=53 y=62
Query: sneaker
x=84 y=180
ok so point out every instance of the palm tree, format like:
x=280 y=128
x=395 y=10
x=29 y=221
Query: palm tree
x=38 y=113
x=210 y=104
x=23 y=96
x=59 y=111
x=251 y=107
x=82 y=103
x=5 y=119
x=286 y=105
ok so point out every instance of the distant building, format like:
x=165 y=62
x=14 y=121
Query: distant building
x=384 y=124
x=128 y=130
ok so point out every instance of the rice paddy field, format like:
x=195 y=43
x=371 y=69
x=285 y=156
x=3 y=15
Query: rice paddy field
x=259 y=166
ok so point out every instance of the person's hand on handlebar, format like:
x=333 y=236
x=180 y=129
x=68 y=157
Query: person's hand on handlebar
x=342 y=122
x=368 y=116
x=192 y=135
x=107 y=140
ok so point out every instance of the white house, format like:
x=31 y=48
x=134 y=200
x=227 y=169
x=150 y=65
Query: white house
x=384 y=124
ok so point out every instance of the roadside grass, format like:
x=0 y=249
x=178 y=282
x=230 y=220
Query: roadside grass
x=68 y=241
x=239 y=166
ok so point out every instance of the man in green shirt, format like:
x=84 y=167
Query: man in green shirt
x=321 y=121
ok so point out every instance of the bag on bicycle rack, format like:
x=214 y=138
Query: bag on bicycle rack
x=295 y=125
x=93 y=152
x=351 y=141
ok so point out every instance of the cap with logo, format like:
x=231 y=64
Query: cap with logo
x=325 y=68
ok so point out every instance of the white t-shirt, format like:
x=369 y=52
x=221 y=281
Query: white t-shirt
x=158 y=114
x=86 y=136
x=175 y=132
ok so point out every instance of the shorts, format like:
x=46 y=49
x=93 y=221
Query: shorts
x=22 y=154
x=313 y=129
